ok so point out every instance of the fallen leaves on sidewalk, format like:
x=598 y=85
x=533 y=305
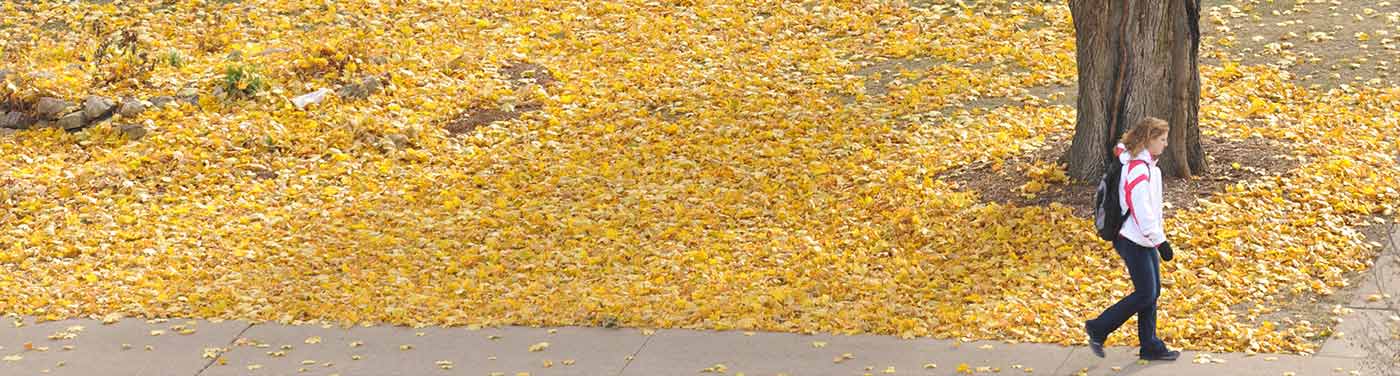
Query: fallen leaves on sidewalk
x=1206 y=358
x=843 y=357
x=70 y=332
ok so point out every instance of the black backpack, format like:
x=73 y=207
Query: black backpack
x=1108 y=214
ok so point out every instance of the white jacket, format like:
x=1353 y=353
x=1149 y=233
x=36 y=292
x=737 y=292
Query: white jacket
x=1144 y=199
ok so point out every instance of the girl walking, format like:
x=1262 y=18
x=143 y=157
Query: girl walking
x=1139 y=242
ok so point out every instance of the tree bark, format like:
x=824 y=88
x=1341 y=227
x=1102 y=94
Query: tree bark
x=1137 y=58
x=1186 y=158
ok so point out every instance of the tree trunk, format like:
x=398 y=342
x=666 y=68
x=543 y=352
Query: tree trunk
x=1137 y=58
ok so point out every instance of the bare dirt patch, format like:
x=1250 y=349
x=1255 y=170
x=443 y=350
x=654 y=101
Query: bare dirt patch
x=518 y=74
x=1324 y=43
x=469 y=120
x=526 y=73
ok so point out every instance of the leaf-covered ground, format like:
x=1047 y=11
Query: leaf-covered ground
x=680 y=164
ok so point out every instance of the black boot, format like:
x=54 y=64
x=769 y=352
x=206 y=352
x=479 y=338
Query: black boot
x=1167 y=355
x=1095 y=343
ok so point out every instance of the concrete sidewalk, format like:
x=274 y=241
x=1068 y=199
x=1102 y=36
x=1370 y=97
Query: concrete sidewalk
x=135 y=347
x=1366 y=343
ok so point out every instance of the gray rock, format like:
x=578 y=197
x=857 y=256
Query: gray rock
x=132 y=107
x=15 y=120
x=10 y=119
x=51 y=108
x=72 y=121
x=6 y=132
x=361 y=90
x=400 y=141
x=96 y=108
x=132 y=131
x=162 y=101
x=188 y=95
x=4 y=73
x=273 y=51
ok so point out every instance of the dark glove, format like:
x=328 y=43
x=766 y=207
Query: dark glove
x=1166 y=250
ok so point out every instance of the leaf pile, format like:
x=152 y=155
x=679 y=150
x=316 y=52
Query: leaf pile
x=678 y=164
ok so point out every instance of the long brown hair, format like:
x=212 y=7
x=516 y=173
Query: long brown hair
x=1146 y=129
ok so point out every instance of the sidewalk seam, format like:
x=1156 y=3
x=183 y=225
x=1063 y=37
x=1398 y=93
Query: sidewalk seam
x=230 y=342
x=1381 y=309
x=1380 y=280
x=635 y=353
x=1066 y=360
x=1340 y=357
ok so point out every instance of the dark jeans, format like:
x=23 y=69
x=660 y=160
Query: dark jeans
x=1145 y=269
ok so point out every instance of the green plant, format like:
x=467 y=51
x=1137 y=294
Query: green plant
x=175 y=59
x=243 y=80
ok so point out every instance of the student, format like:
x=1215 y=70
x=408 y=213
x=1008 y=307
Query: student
x=1139 y=241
